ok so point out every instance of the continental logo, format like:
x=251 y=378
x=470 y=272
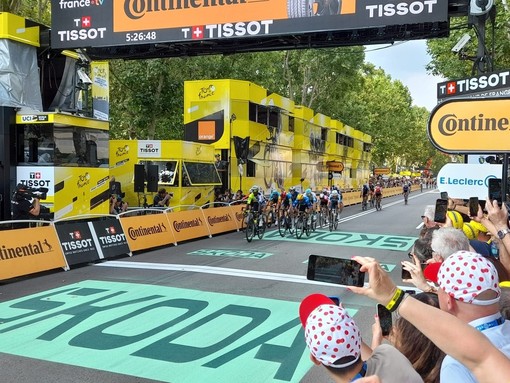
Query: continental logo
x=450 y=124
x=239 y=216
x=213 y=220
x=35 y=248
x=136 y=9
x=141 y=231
x=178 y=226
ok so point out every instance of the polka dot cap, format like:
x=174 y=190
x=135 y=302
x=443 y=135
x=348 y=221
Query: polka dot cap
x=330 y=333
x=464 y=275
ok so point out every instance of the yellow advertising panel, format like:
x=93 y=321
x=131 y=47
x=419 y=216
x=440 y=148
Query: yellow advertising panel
x=100 y=90
x=188 y=224
x=220 y=219
x=28 y=251
x=147 y=231
x=471 y=126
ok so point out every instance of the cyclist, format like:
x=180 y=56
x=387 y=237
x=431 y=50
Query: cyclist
x=303 y=203
x=334 y=200
x=371 y=193
x=274 y=199
x=253 y=202
x=365 y=190
x=405 y=190
x=378 y=193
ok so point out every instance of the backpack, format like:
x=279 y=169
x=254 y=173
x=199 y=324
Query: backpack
x=377 y=190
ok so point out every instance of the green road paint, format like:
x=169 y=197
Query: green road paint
x=342 y=238
x=231 y=253
x=387 y=267
x=160 y=333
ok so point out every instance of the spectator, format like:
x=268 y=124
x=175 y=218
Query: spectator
x=162 y=199
x=117 y=205
x=428 y=216
x=424 y=355
x=469 y=289
x=449 y=333
x=115 y=187
x=334 y=341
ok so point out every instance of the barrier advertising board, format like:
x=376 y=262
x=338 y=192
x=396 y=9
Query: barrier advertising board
x=29 y=251
x=467 y=180
x=110 y=238
x=147 y=231
x=101 y=23
x=188 y=224
x=220 y=219
x=77 y=242
x=471 y=126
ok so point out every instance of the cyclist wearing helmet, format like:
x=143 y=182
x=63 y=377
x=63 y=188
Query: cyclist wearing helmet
x=273 y=197
x=302 y=203
x=334 y=199
x=253 y=201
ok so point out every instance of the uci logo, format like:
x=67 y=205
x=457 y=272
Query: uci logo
x=28 y=118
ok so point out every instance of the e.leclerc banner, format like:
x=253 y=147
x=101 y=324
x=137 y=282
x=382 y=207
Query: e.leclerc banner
x=28 y=251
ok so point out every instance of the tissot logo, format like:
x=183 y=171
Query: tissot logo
x=474 y=84
x=401 y=9
x=216 y=31
x=35 y=175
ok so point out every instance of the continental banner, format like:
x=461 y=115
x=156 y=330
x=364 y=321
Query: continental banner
x=220 y=219
x=110 y=237
x=28 y=251
x=147 y=231
x=238 y=211
x=77 y=242
x=189 y=224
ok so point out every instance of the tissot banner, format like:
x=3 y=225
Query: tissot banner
x=99 y=23
x=77 y=242
x=111 y=238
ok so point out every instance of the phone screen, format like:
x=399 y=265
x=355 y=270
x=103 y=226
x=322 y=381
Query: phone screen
x=473 y=206
x=384 y=319
x=335 y=270
x=495 y=190
x=444 y=195
x=441 y=209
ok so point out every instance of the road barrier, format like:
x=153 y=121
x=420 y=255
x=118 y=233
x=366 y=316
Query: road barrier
x=84 y=239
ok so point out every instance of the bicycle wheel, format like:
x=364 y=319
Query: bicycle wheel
x=336 y=220
x=300 y=227
x=290 y=224
x=282 y=224
x=308 y=225
x=262 y=227
x=250 y=230
x=331 y=221
x=313 y=222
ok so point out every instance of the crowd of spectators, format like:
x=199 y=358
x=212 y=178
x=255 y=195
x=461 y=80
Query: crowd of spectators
x=455 y=330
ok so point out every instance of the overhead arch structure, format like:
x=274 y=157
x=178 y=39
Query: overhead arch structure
x=133 y=29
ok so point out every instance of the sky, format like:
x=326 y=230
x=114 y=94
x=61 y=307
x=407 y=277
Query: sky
x=406 y=61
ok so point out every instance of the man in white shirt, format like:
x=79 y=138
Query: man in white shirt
x=469 y=289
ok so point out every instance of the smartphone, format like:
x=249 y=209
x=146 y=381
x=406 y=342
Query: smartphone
x=335 y=299
x=473 y=206
x=495 y=190
x=444 y=195
x=441 y=209
x=384 y=319
x=335 y=270
x=405 y=273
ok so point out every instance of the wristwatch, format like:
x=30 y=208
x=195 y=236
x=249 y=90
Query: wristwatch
x=501 y=233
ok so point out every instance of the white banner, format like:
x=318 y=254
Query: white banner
x=467 y=180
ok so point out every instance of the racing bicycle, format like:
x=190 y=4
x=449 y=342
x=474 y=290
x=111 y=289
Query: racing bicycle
x=255 y=226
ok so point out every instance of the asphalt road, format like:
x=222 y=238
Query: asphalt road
x=211 y=310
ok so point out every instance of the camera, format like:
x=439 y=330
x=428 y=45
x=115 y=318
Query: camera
x=25 y=192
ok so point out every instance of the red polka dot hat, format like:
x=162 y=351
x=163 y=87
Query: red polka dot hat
x=330 y=333
x=465 y=275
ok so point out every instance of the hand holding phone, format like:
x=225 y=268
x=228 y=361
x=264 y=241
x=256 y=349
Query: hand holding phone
x=495 y=190
x=385 y=319
x=441 y=209
x=335 y=270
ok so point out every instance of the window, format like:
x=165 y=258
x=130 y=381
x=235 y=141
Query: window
x=250 y=169
x=367 y=147
x=167 y=171
x=200 y=173
x=324 y=134
x=291 y=124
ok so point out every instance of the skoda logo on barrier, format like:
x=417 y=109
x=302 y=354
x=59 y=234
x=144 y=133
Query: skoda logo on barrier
x=471 y=126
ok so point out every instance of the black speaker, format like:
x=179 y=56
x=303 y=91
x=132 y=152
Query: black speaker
x=152 y=178
x=139 y=178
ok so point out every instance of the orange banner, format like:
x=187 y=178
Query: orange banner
x=28 y=251
x=238 y=213
x=188 y=224
x=220 y=219
x=146 y=231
